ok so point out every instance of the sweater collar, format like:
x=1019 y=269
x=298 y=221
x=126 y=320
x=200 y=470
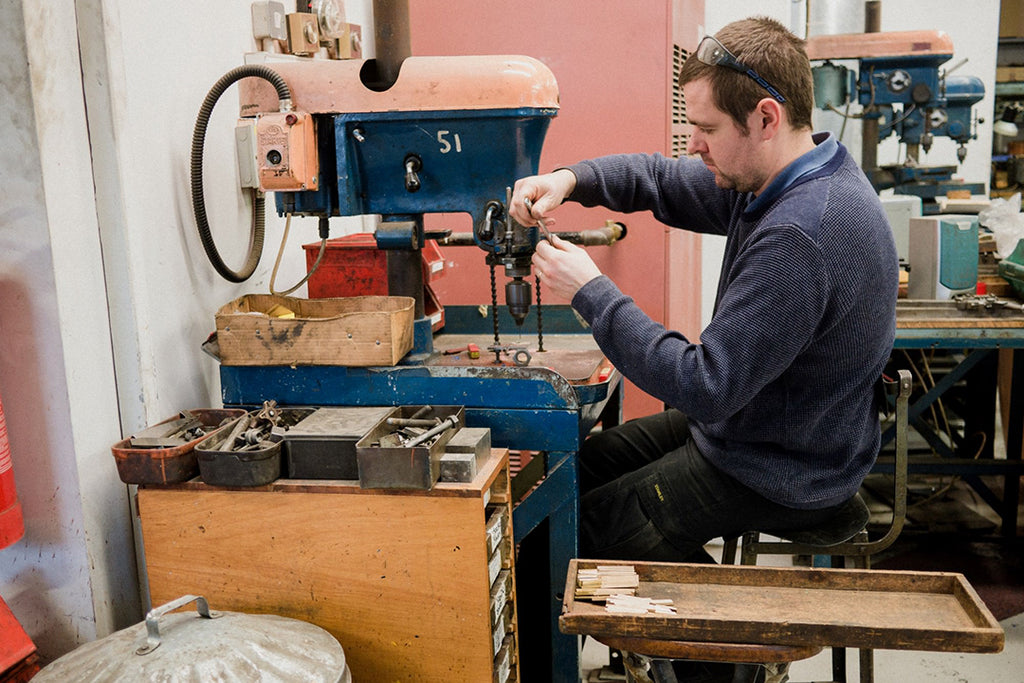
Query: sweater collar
x=825 y=148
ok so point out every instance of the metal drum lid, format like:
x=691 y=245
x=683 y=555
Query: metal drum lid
x=203 y=646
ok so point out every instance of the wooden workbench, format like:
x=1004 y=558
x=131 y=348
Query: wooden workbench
x=403 y=579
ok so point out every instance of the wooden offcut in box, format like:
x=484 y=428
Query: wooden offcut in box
x=266 y=329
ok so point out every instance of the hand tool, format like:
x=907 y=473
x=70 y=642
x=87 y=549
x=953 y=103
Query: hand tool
x=395 y=439
x=168 y=434
x=471 y=350
x=520 y=355
x=540 y=221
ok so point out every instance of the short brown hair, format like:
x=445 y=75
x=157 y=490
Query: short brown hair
x=770 y=49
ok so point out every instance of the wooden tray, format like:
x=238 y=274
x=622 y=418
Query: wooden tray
x=873 y=609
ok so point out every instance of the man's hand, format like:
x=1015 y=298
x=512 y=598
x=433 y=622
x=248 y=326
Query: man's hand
x=546 y=192
x=563 y=267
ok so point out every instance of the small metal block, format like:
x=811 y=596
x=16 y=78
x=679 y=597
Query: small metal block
x=458 y=467
x=471 y=440
x=465 y=454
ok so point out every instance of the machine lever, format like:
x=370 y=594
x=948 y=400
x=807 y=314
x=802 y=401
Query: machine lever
x=413 y=165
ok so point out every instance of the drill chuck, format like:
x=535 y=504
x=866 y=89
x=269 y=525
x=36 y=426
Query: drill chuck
x=518 y=295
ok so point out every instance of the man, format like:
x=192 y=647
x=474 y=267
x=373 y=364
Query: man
x=773 y=423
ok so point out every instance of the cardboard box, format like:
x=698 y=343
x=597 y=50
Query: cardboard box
x=1009 y=74
x=1011 y=19
x=265 y=329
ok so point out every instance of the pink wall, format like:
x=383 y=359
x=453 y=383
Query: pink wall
x=613 y=63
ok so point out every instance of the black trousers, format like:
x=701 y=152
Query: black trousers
x=647 y=493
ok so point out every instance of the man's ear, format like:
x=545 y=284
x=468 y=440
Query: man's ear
x=767 y=117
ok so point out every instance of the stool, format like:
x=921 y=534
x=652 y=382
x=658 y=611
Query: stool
x=845 y=537
x=661 y=652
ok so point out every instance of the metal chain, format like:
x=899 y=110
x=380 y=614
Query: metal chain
x=540 y=326
x=494 y=314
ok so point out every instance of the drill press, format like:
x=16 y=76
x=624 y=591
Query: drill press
x=903 y=90
x=442 y=134
x=449 y=135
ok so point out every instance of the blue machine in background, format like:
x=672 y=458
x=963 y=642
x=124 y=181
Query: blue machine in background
x=903 y=91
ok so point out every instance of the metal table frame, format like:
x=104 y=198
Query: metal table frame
x=976 y=346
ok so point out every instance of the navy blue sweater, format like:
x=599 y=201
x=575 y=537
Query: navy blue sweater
x=779 y=388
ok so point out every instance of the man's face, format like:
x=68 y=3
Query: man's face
x=732 y=155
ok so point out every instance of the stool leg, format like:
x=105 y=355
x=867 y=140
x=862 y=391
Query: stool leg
x=729 y=551
x=748 y=549
x=662 y=671
x=867 y=666
x=839 y=665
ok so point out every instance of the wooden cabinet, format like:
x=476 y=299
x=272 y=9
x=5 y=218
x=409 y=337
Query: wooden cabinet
x=403 y=579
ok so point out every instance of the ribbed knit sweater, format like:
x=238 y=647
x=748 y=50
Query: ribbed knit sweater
x=779 y=388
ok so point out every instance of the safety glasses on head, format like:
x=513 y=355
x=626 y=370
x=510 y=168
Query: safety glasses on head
x=713 y=53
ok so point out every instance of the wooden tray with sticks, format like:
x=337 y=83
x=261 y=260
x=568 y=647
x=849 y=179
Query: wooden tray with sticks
x=873 y=609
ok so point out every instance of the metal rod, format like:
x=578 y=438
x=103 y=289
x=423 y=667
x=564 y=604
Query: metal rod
x=446 y=424
x=391 y=38
x=869 y=126
x=604 y=236
x=236 y=431
x=410 y=422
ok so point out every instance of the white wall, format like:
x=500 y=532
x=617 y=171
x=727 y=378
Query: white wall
x=73 y=573
x=106 y=293
x=974 y=34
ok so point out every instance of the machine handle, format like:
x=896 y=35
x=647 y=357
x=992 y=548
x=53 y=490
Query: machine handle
x=412 y=167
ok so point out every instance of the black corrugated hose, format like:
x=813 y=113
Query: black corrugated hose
x=198 y=201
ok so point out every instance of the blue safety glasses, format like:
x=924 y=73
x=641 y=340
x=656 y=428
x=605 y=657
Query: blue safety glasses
x=713 y=53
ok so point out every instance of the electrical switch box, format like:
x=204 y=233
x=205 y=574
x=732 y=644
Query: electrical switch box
x=286 y=153
x=303 y=34
x=268 y=21
x=247 y=154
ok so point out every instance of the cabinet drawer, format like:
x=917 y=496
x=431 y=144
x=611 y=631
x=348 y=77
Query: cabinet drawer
x=501 y=593
x=497 y=527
